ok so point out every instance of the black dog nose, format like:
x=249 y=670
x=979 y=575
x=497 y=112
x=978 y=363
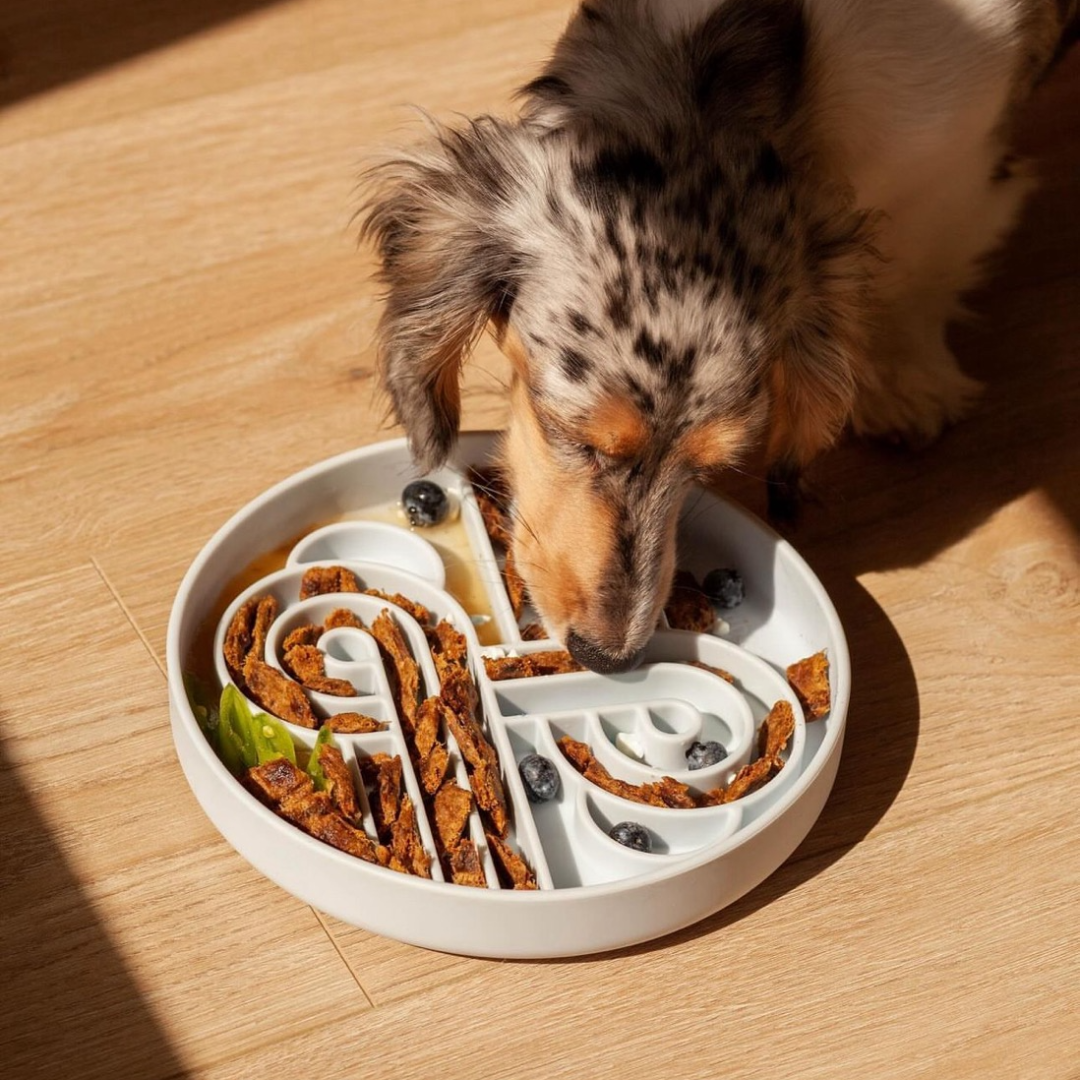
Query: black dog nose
x=590 y=655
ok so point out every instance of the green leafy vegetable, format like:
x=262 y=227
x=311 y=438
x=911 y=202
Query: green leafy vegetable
x=314 y=768
x=236 y=738
x=272 y=739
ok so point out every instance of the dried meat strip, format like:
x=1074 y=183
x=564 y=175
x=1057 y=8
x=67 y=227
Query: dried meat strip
x=307 y=634
x=718 y=671
x=246 y=633
x=290 y=793
x=384 y=774
x=342 y=617
x=776 y=730
x=321 y=580
x=339 y=782
x=278 y=694
x=416 y=610
x=452 y=806
x=809 y=678
x=307 y=664
x=448 y=649
x=406 y=845
x=544 y=662
x=688 y=608
x=406 y=680
x=353 y=723
x=513 y=869
x=433 y=769
x=463 y=863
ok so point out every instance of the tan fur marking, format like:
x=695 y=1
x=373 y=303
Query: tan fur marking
x=510 y=345
x=577 y=527
x=617 y=429
x=713 y=445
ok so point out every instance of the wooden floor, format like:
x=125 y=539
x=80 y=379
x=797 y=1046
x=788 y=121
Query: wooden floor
x=185 y=319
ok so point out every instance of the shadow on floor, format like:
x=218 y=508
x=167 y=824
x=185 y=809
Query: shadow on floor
x=70 y=1007
x=46 y=43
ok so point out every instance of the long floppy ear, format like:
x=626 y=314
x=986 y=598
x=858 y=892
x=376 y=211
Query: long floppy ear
x=448 y=266
x=815 y=373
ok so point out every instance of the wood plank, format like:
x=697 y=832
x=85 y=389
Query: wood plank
x=135 y=935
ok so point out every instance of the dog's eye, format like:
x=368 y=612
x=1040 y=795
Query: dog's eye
x=592 y=455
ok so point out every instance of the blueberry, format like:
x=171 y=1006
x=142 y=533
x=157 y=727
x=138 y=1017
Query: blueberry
x=540 y=777
x=425 y=503
x=702 y=754
x=632 y=835
x=724 y=587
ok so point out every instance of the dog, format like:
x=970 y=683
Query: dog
x=715 y=225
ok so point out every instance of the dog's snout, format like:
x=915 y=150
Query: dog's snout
x=590 y=655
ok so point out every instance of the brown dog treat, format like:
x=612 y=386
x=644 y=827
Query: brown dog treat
x=265 y=614
x=545 y=662
x=809 y=678
x=489 y=794
x=718 y=671
x=405 y=842
x=320 y=580
x=503 y=668
x=383 y=772
x=553 y=662
x=290 y=793
x=468 y=734
x=458 y=691
x=405 y=681
x=688 y=608
x=417 y=611
x=751 y=777
x=307 y=665
x=672 y=793
x=579 y=754
x=516 y=591
x=667 y=791
x=513 y=869
x=277 y=694
x=433 y=769
x=342 y=617
x=533 y=631
x=353 y=723
x=429 y=719
x=463 y=862
x=448 y=649
x=339 y=783
x=307 y=634
x=776 y=730
x=453 y=805
x=304 y=662
x=238 y=638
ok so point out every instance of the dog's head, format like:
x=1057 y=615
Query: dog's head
x=650 y=248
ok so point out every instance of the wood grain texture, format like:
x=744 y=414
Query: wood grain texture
x=185 y=320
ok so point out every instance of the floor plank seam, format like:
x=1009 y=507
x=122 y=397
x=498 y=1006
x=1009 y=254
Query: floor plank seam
x=344 y=959
x=127 y=615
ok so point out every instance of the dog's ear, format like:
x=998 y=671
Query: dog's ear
x=816 y=360
x=448 y=266
x=747 y=63
x=811 y=394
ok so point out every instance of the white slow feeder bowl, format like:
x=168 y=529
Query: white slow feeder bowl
x=594 y=893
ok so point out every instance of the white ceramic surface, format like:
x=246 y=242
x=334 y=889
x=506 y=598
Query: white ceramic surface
x=595 y=894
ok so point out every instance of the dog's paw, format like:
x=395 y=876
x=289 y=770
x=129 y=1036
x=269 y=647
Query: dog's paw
x=916 y=404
